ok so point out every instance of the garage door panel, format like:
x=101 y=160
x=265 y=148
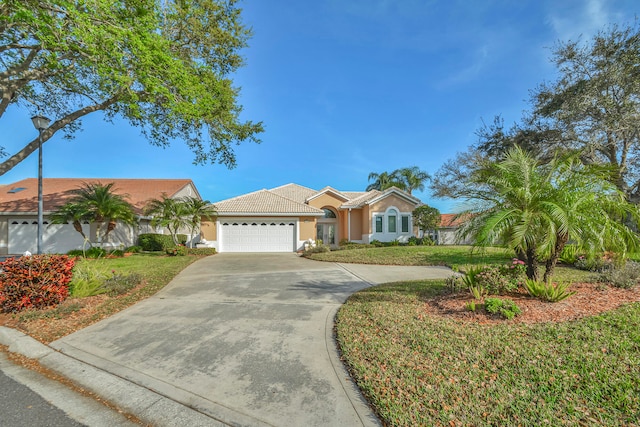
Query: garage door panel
x=257 y=236
x=56 y=238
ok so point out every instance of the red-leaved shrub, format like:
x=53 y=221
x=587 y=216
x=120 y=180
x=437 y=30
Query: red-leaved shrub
x=34 y=282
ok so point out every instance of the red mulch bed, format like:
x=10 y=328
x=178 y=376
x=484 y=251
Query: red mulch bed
x=590 y=299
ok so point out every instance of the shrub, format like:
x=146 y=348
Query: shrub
x=316 y=250
x=116 y=253
x=597 y=264
x=133 y=249
x=118 y=284
x=177 y=251
x=202 y=251
x=547 y=291
x=159 y=242
x=506 y=308
x=34 y=282
x=95 y=253
x=626 y=276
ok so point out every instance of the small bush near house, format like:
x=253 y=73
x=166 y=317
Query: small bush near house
x=159 y=242
x=133 y=249
x=626 y=276
x=506 y=308
x=596 y=264
x=202 y=251
x=36 y=281
x=177 y=251
x=316 y=250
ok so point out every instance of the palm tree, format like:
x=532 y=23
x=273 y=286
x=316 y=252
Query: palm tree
x=536 y=209
x=384 y=180
x=100 y=204
x=169 y=213
x=412 y=178
x=73 y=213
x=196 y=209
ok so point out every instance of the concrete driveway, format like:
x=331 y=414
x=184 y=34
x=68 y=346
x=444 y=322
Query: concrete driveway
x=246 y=339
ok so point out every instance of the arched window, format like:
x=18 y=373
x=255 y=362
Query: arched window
x=328 y=213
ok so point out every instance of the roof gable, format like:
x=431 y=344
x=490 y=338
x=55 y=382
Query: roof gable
x=331 y=191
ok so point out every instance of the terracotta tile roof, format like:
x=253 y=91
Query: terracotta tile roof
x=353 y=194
x=57 y=191
x=295 y=192
x=264 y=202
x=451 y=220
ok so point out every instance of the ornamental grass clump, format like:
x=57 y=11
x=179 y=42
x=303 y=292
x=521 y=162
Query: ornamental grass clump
x=547 y=291
x=35 y=281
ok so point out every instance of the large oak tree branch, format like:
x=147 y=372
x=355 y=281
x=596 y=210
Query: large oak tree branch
x=11 y=162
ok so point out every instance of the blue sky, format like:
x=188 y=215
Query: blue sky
x=349 y=87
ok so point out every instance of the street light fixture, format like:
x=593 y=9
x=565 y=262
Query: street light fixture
x=40 y=123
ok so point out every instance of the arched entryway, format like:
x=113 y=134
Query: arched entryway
x=327 y=228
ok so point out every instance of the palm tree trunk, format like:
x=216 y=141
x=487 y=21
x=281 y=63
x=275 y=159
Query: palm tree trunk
x=550 y=265
x=532 y=264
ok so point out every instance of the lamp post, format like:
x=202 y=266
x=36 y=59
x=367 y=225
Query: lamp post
x=40 y=123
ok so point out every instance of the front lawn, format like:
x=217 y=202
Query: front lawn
x=49 y=324
x=451 y=256
x=418 y=369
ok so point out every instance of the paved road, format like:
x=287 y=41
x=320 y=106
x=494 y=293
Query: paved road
x=244 y=338
x=28 y=399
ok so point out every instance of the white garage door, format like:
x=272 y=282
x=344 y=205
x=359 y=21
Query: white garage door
x=257 y=236
x=56 y=238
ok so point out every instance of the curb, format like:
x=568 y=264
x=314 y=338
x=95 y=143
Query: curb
x=148 y=406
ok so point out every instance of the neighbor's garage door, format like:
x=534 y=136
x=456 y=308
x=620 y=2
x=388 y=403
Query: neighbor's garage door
x=56 y=238
x=257 y=236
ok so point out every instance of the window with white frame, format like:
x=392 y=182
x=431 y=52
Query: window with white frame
x=391 y=220
x=405 y=223
x=378 y=224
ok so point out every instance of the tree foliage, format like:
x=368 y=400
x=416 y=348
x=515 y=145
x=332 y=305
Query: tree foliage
x=593 y=108
x=407 y=179
x=536 y=208
x=98 y=203
x=595 y=102
x=426 y=217
x=162 y=65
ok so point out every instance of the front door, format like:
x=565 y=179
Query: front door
x=326 y=233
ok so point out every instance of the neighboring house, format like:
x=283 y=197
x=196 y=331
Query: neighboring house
x=286 y=218
x=19 y=211
x=446 y=234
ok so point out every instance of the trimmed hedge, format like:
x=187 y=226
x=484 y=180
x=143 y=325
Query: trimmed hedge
x=35 y=281
x=159 y=242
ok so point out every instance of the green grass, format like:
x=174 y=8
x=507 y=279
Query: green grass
x=421 y=370
x=418 y=255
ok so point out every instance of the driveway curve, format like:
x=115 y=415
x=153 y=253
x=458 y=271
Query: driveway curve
x=246 y=339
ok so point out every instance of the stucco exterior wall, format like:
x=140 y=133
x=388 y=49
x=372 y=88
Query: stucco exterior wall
x=208 y=230
x=356 y=224
x=392 y=201
x=187 y=191
x=307 y=228
x=4 y=236
x=326 y=199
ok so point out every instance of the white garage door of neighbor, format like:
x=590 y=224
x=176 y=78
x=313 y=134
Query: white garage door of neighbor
x=56 y=238
x=257 y=236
